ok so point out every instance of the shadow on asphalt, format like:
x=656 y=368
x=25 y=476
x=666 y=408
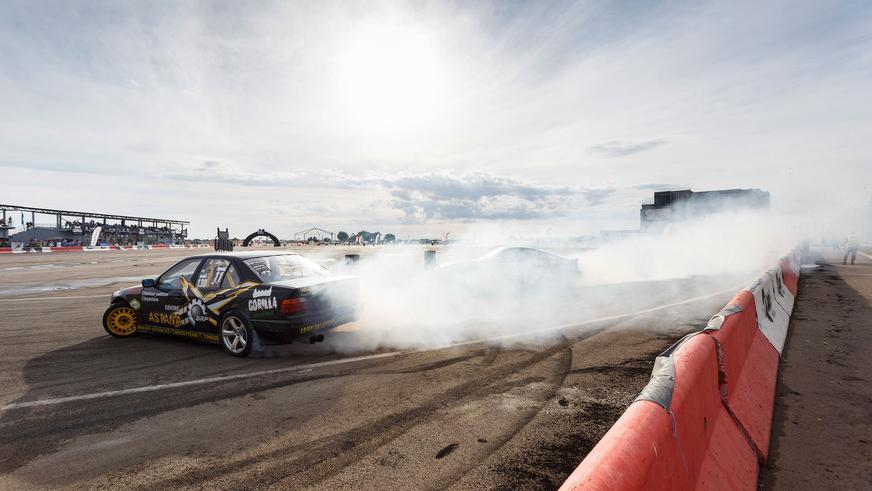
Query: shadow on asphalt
x=105 y=364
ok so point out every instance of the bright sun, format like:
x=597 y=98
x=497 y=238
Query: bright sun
x=390 y=78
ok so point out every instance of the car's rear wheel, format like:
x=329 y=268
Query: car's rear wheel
x=119 y=320
x=236 y=335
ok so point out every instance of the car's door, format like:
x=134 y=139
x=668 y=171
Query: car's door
x=217 y=280
x=164 y=304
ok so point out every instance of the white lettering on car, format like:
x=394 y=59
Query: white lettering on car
x=154 y=293
x=261 y=293
x=257 y=304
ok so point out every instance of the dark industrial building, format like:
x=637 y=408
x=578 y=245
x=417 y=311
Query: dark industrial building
x=676 y=206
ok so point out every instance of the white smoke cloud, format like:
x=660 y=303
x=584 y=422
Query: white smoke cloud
x=407 y=306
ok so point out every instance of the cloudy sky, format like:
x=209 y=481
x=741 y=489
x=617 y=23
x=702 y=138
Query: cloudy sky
x=427 y=117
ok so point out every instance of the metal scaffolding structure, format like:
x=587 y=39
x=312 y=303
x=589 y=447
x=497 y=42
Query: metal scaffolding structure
x=318 y=233
x=82 y=223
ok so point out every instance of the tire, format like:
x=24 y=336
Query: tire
x=119 y=320
x=236 y=334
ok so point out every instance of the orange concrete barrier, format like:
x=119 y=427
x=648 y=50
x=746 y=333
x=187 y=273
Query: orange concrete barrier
x=689 y=442
x=717 y=454
x=749 y=366
x=638 y=452
x=791 y=275
x=704 y=419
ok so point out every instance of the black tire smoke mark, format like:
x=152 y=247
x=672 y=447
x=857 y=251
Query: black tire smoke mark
x=546 y=465
x=100 y=372
x=25 y=431
x=557 y=380
x=447 y=450
x=631 y=367
x=490 y=355
x=318 y=458
x=628 y=370
x=429 y=367
x=547 y=462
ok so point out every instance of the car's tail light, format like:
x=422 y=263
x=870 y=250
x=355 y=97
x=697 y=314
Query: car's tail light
x=293 y=306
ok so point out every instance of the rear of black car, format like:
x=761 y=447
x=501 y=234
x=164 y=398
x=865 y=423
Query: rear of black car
x=298 y=299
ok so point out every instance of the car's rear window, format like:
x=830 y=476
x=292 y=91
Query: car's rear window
x=285 y=267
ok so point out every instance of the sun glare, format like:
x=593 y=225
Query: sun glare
x=390 y=79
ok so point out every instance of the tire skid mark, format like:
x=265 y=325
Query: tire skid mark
x=201 y=382
x=206 y=394
x=545 y=463
x=100 y=371
x=430 y=366
x=594 y=325
x=22 y=425
x=485 y=389
x=490 y=355
x=629 y=368
x=556 y=382
x=218 y=393
x=320 y=457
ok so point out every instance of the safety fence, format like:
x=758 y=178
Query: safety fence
x=38 y=250
x=704 y=419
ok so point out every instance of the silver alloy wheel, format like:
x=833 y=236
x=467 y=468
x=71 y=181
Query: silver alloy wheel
x=233 y=335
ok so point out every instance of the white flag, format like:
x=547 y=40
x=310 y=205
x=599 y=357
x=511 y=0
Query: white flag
x=95 y=235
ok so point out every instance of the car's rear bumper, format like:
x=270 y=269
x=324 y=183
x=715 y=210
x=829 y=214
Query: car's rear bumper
x=285 y=331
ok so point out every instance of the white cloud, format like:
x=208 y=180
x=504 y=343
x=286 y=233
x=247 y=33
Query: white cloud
x=487 y=111
x=621 y=149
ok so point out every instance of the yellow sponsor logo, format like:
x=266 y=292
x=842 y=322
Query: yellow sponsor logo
x=315 y=327
x=174 y=320
x=180 y=332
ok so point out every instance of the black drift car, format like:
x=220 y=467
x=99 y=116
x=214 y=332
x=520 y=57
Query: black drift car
x=226 y=297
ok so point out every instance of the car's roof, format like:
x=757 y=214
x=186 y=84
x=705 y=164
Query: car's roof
x=248 y=254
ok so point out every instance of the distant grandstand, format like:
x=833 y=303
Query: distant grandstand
x=44 y=226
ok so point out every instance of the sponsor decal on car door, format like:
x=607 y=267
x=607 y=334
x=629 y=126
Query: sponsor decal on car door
x=157 y=302
x=218 y=285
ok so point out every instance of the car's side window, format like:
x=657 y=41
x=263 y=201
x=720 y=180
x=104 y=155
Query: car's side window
x=261 y=267
x=172 y=278
x=231 y=278
x=212 y=273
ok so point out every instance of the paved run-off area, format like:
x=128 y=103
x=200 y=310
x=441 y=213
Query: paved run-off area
x=822 y=430
x=479 y=415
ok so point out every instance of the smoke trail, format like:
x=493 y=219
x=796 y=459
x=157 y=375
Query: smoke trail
x=406 y=305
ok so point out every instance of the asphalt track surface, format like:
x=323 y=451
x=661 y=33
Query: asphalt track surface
x=83 y=410
x=824 y=399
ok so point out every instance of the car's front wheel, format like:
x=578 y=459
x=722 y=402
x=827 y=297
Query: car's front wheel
x=236 y=335
x=119 y=320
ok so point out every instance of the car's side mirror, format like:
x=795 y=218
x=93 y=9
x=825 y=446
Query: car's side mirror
x=149 y=283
